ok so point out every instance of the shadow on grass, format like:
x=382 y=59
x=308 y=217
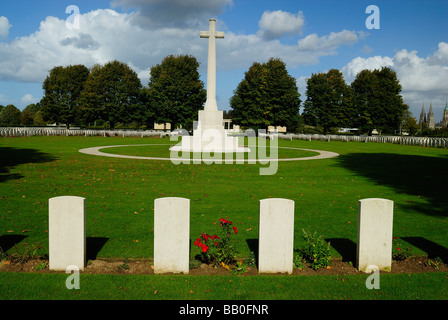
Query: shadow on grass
x=11 y=157
x=345 y=247
x=421 y=176
x=10 y=240
x=94 y=246
x=433 y=249
x=253 y=247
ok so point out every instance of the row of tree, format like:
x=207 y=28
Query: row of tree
x=11 y=116
x=372 y=101
x=113 y=95
x=268 y=95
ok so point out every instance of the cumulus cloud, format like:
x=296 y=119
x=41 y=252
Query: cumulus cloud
x=4 y=27
x=329 y=42
x=105 y=35
x=81 y=41
x=28 y=99
x=358 y=64
x=276 y=24
x=423 y=80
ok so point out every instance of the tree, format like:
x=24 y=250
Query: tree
x=10 y=116
x=26 y=118
x=408 y=122
x=267 y=96
x=329 y=101
x=176 y=93
x=62 y=90
x=378 y=101
x=39 y=119
x=148 y=116
x=112 y=93
x=28 y=114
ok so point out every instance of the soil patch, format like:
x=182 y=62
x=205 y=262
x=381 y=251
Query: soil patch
x=138 y=266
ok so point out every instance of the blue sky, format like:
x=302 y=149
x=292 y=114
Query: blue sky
x=309 y=36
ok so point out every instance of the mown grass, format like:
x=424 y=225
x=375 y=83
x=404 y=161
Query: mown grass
x=47 y=286
x=120 y=194
x=255 y=153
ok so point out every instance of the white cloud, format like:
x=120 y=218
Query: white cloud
x=276 y=24
x=105 y=35
x=423 y=80
x=28 y=99
x=358 y=64
x=329 y=42
x=4 y=27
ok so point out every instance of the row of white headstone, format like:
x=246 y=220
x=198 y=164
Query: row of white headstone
x=56 y=131
x=405 y=140
x=67 y=234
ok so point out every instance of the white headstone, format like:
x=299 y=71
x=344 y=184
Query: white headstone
x=375 y=224
x=171 y=235
x=276 y=236
x=66 y=228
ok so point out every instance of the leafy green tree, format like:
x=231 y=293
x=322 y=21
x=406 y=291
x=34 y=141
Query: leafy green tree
x=28 y=114
x=112 y=93
x=39 y=119
x=62 y=90
x=26 y=118
x=329 y=101
x=10 y=116
x=408 y=122
x=267 y=96
x=176 y=93
x=147 y=112
x=250 y=99
x=378 y=101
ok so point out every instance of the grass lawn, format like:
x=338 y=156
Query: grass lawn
x=45 y=286
x=120 y=196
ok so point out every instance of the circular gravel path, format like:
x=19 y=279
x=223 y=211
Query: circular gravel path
x=96 y=152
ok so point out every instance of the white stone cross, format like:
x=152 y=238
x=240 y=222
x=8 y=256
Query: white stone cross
x=212 y=34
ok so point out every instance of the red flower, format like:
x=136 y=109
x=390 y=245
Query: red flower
x=215 y=237
x=205 y=236
x=216 y=243
x=235 y=230
x=197 y=242
x=398 y=249
x=204 y=248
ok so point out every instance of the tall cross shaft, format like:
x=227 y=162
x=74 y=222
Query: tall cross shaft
x=212 y=34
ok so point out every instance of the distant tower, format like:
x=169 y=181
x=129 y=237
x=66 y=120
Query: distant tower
x=422 y=117
x=431 y=123
x=445 y=116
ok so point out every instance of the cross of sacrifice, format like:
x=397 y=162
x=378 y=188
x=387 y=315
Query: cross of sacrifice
x=212 y=34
